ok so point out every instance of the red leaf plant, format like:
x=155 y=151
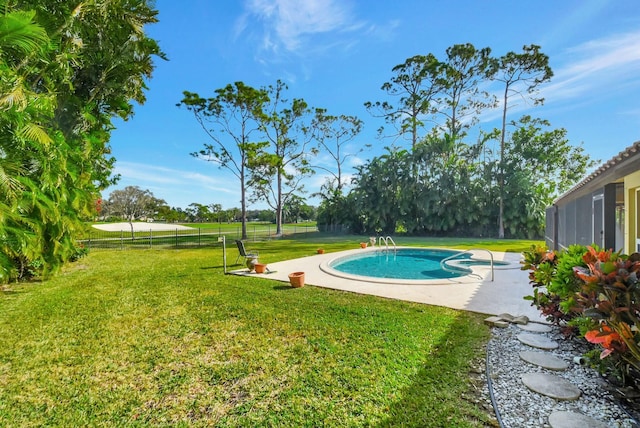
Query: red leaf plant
x=610 y=296
x=609 y=339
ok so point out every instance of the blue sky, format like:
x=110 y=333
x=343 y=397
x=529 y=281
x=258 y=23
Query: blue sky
x=336 y=54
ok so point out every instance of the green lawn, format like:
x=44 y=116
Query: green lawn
x=163 y=337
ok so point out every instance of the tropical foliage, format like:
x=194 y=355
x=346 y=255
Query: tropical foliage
x=447 y=182
x=595 y=293
x=66 y=70
x=449 y=187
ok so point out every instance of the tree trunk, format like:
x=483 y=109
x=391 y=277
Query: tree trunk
x=243 y=201
x=501 y=172
x=279 y=206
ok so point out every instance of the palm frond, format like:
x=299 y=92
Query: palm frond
x=18 y=31
x=15 y=97
x=36 y=133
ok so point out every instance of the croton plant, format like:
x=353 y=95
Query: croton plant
x=591 y=291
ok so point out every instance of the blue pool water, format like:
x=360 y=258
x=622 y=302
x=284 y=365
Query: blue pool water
x=405 y=263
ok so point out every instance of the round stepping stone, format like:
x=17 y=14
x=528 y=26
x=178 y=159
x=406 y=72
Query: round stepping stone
x=535 y=327
x=537 y=341
x=573 y=420
x=544 y=360
x=551 y=386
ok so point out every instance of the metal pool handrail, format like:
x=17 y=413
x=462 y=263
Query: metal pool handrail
x=386 y=242
x=443 y=262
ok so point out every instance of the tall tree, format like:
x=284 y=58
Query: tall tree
x=539 y=165
x=521 y=74
x=278 y=171
x=333 y=133
x=230 y=120
x=462 y=99
x=63 y=88
x=415 y=86
x=22 y=138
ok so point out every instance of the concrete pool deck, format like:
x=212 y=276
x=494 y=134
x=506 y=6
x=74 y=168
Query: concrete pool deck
x=469 y=293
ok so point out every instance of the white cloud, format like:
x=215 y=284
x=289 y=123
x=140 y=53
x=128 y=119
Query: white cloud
x=602 y=65
x=156 y=175
x=132 y=171
x=586 y=73
x=357 y=161
x=290 y=20
x=384 y=32
x=289 y=25
x=631 y=112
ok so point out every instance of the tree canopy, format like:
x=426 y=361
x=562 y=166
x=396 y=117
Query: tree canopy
x=66 y=70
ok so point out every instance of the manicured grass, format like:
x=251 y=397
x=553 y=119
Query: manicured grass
x=163 y=337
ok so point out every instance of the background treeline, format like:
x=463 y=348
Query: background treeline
x=456 y=178
x=132 y=203
x=442 y=188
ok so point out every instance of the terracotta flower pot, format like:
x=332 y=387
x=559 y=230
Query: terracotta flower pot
x=296 y=279
x=320 y=251
x=260 y=267
x=363 y=245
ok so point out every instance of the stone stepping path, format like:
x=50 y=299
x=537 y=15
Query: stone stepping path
x=537 y=341
x=535 y=328
x=544 y=383
x=551 y=386
x=544 y=360
x=573 y=420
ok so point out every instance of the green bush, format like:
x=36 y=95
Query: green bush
x=554 y=283
x=593 y=292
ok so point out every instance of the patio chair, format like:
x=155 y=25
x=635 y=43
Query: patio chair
x=243 y=252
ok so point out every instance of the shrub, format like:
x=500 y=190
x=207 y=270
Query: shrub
x=610 y=298
x=593 y=292
x=555 y=284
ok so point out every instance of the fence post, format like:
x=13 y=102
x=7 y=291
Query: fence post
x=199 y=239
x=122 y=239
x=150 y=237
x=176 y=237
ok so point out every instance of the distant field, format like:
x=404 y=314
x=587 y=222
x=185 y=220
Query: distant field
x=201 y=234
x=208 y=234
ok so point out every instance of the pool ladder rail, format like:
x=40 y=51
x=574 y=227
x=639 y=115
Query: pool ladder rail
x=443 y=263
x=386 y=241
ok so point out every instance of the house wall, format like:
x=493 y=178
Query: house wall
x=617 y=214
x=573 y=222
x=631 y=230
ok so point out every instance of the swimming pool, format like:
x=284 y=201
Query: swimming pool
x=404 y=264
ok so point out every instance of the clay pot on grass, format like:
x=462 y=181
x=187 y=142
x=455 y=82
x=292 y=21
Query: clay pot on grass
x=320 y=251
x=296 y=279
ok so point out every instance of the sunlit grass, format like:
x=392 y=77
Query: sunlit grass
x=163 y=337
